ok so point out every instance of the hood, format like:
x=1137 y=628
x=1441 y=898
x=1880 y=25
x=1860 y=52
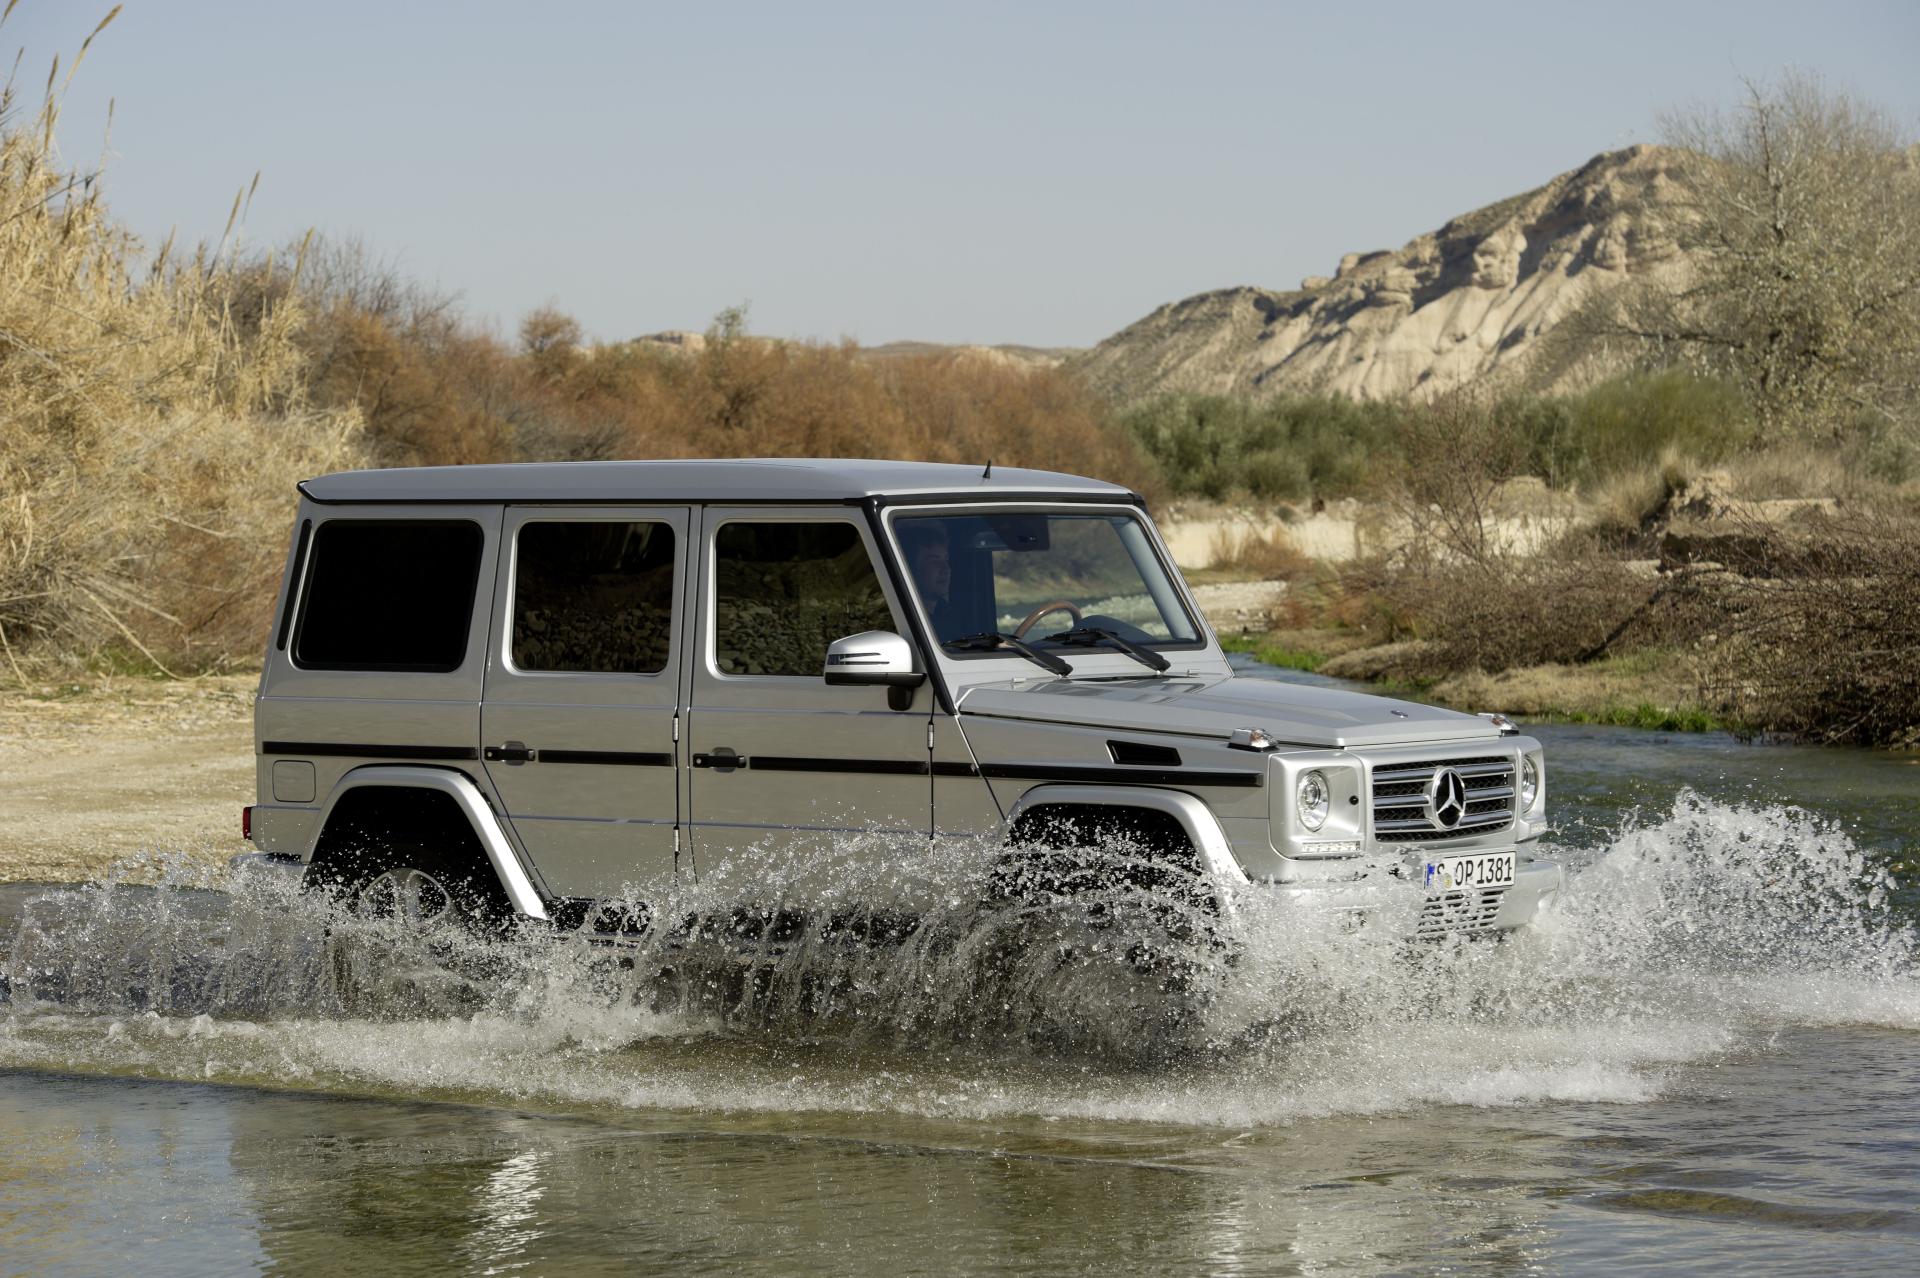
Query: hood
x=1327 y=718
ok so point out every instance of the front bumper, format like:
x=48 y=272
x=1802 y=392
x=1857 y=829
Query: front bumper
x=1535 y=883
x=1419 y=911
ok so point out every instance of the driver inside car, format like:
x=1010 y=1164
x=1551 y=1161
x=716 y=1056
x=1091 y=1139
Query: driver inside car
x=930 y=562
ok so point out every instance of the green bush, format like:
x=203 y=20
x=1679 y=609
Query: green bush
x=1298 y=447
x=1625 y=422
x=1287 y=449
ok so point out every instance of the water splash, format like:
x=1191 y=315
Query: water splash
x=1678 y=938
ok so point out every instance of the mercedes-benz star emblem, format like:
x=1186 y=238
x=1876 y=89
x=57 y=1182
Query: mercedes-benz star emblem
x=1446 y=798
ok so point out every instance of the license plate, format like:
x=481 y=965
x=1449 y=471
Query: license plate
x=1460 y=873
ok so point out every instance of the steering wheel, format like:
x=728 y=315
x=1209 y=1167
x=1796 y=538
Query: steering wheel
x=1033 y=618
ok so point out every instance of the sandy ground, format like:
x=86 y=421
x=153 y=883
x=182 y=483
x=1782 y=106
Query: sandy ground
x=92 y=774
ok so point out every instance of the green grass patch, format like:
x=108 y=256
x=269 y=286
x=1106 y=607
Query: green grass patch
x=1274 y=654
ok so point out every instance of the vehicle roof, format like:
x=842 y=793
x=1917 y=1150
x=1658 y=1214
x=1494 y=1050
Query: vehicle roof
x=761 y=479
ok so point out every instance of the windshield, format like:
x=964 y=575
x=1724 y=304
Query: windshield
x=1038 y=574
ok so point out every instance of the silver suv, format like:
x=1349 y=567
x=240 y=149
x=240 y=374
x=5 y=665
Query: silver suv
x=523 y=690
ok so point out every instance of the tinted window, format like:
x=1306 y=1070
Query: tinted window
x=593 y=596
x=783 y=592
x=389 y=594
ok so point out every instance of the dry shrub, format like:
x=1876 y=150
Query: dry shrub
x=1360 y=596
x=1458 y=581
x=1268 y=555
x=1793 y=470
x=1570 y=604
x=436 y=391
x=1451 y=458
x=1821 y=629
x=142 y=420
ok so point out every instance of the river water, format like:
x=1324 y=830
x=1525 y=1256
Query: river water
x=1706 y=1054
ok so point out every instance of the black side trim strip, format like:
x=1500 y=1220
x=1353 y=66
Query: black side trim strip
x=626 y=758
x=955 y=770
x=345 y=750
x=893 y=767
x=1122 y=776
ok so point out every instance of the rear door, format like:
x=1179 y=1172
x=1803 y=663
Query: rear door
x=780 y=762
x=582 y=693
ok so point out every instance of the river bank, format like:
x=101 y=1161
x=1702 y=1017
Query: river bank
x=1646 y=689
x=1693 y=606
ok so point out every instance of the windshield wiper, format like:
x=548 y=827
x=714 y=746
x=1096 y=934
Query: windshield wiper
x=1088 y=636
x=989 y=640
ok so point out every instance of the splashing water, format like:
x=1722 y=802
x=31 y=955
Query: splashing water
x=1676 y=939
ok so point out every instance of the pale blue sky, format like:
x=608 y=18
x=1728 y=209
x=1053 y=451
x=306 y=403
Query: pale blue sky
x=1040 y=173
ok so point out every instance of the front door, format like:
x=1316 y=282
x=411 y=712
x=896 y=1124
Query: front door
x=582 y=690
x=787 y=772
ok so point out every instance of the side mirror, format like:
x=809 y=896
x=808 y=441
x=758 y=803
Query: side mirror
x=875 y=659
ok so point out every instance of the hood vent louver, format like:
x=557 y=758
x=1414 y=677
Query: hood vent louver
x=1136 y=752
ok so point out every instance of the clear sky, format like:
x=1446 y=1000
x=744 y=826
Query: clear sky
x=978 y=172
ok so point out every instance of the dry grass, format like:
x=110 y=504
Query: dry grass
x=140 y=427
x=1623 y=503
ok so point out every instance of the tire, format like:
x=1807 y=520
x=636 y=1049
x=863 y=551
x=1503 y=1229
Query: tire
x=1110 y=911
x=415 y=938
x=1125 y=868
x=412 y=878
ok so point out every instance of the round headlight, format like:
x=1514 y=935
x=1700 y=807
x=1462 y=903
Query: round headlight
x=1314 y=799
x=1529 y=782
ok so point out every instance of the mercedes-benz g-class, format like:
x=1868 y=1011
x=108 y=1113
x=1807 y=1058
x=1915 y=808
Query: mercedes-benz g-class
x=520 y=690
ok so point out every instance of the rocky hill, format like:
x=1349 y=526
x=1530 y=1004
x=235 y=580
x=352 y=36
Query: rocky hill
x=1468 y=302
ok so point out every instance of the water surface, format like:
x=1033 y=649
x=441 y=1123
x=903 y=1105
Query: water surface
x=1705 y=1055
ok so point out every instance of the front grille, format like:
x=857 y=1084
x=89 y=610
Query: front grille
x=1400 y=799
x=1460 y=913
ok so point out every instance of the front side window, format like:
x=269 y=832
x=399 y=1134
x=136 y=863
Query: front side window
x=1039 y=574
x=593 y=595
x=389 y=594
x=783 y=591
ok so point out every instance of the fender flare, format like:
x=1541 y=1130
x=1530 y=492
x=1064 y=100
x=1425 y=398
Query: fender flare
x=1195 y=817
x=513 y=876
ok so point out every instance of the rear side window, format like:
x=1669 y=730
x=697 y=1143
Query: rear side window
x=389 y=594
x=593 y=596
x=783 y=592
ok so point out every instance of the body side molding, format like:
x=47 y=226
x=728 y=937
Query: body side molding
x=354 y=750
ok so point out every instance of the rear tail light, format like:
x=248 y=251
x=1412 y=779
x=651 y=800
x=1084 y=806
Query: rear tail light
x=246 y=822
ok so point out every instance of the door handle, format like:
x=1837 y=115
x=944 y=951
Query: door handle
x=722 y=759
x=511 y=752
